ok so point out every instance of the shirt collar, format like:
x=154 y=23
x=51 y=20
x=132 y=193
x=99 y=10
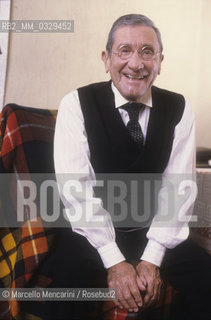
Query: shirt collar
x=120 y=100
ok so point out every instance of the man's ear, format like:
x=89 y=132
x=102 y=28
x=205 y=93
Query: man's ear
x=161 y=59
x=106 y=59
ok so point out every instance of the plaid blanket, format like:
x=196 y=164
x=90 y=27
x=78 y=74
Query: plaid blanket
x=26 y=146
x=26 y=138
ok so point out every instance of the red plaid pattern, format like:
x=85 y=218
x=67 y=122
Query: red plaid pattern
x=23 y=249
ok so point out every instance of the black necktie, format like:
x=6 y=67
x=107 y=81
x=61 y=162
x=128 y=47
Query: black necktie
x=133 y=125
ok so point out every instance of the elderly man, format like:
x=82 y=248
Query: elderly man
x=127 y=125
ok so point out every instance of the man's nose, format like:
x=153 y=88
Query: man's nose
x=135 y=62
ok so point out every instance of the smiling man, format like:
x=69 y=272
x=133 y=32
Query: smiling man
x=127 y=125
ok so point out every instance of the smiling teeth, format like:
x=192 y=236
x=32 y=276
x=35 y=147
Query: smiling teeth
x=136 y=78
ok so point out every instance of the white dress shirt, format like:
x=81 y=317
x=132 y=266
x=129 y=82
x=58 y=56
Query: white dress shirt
x=72 y=155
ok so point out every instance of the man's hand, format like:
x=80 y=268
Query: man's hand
x=148 y=275
x=123 y=277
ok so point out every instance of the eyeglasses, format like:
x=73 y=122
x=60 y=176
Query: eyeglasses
x=146 y=53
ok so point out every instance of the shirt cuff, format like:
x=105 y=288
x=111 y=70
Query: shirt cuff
x=154 y=252
x=110 y=254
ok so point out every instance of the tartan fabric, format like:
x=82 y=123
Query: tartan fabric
x=23 y=129
x=26 y=146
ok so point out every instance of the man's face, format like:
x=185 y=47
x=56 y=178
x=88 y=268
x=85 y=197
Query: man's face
x=133 y=77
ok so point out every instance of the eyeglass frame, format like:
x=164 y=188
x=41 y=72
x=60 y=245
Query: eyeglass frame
x=139 y=53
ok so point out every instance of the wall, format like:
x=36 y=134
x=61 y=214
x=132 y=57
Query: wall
x=43 y=67
x=4 y=40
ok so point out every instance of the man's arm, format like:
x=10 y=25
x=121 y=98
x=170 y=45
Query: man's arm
x=72 y=156
x=175 y=230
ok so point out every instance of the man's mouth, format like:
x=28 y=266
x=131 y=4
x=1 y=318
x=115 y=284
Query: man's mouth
x=129 y=76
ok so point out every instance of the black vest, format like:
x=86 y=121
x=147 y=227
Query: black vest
x=111 y=147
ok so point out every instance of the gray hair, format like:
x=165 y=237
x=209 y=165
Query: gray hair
x=132 y=20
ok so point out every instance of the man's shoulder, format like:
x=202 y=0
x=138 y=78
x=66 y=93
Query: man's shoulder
x=166 y=93
x=167 y=97
x=95 y=94
x=90 y=87
x=171 y=103
x=95 y=86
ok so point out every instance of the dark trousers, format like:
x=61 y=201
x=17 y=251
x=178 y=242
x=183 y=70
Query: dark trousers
x=188 y=269
x=74 y=263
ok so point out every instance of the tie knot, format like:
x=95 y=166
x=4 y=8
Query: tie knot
x=133 y=109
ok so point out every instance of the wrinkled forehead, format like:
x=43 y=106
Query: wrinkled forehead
x=136 y=36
